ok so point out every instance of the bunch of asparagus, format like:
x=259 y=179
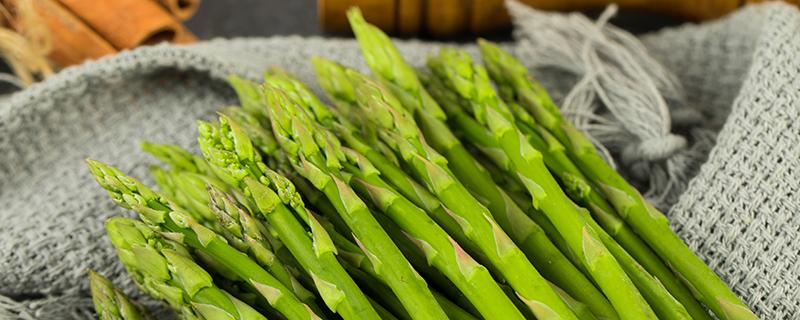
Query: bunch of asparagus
x=458 y=191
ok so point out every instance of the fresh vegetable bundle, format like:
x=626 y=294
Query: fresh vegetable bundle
x=458 y=192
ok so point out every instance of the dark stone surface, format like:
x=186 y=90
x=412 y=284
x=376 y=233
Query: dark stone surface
x=254 y=18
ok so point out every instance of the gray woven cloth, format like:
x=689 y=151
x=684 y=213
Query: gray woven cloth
x=736 y=205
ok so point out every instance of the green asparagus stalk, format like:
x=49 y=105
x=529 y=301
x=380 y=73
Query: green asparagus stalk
x=470 y=81
x=647 y=271
x=110 y=303
x=388 y=64
x=529 y=235
x=316 y=157
x=546 y=257
x=228 y=148
x=187 y=189
x=650 y=224
x=255 y=128
x=405 y=184
x=165 y=270
x=176 y=157
x=580 y=309
x=398 y=130
x=161 y=215
x=250 y=97
x=441 y=251
x=657 y=295
x=248 y=235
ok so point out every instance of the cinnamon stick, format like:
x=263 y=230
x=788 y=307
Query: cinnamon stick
x=126 y=24
x=72 y=41
x=181 y=9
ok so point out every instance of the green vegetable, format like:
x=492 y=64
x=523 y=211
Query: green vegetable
x=110 y=303
x=227 y=148
x=439 y=250
x=398 y=130
x=165 y=270
x=167 y=218
x=527 y=233
x=470 y=81
x=646 y=221
x=315 y=156
x=249 y=235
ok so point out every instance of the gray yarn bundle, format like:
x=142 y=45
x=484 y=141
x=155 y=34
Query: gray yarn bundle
x=704 y=118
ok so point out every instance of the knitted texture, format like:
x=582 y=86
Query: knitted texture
x=735 y=205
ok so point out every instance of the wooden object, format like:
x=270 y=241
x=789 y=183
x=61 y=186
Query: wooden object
x=72 y=41
x=447 y=17
x=444 y=18
x=409 y=19
x=181 y=9
x=333 y=18
x=126 y=24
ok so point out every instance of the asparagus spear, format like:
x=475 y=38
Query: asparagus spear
x=470 y=81
x=388 y=64
x=648 y=272
x=399 y=131
x=110 y=303
x=650 y=224
x=161 y=215
x=316 y=157
x=653 y=291
x=527 y=234
x=166 y=271
x=225 y=217
x=249 y=95
x=248 y=235
x=176 y=157
x=580 y=309
x=441 y=251
x=227 y=148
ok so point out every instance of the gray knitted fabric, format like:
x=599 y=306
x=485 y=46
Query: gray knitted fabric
x=736 y=205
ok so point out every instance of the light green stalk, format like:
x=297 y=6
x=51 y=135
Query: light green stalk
x=256 y=129
x=388 y=64
x=176 y=157
x=580 y=309
x=669 y=298
x=398 y=130
x=470 y=81
x=110 y=303
x=249 y=235
x=529 y=235
x=249 y=95
x=650 y=224
x=651 y=288
x=229 y=149
x=165 y=270
x=158 y=213
x=439 y=250
x=314 y=155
